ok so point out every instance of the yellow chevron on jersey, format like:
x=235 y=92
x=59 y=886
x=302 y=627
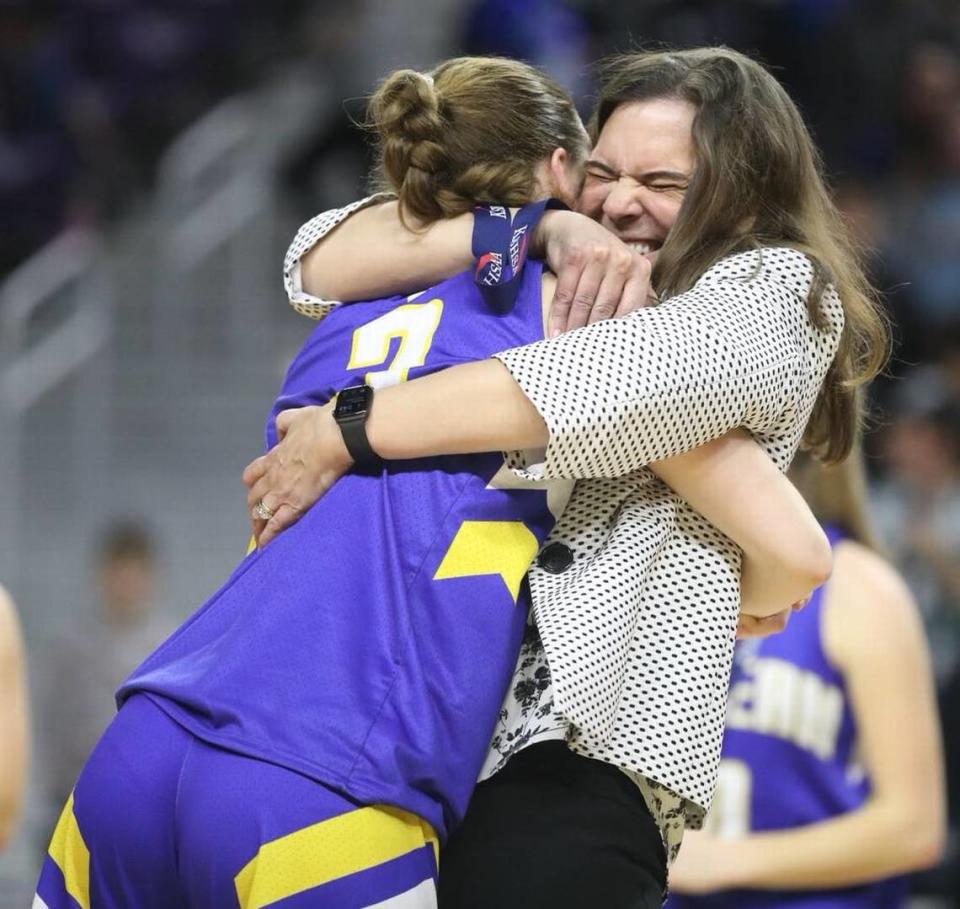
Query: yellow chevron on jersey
x=70 y=853
x=505 y=548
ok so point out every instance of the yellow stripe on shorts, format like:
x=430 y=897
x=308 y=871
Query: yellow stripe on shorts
x=327 y=851
x=71 y=855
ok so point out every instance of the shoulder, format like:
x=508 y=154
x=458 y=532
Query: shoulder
x=782 y=265
x=866 y=598
x=781 y=278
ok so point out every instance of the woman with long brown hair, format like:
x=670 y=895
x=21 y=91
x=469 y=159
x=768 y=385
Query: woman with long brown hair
x=314 y=729
x=701 y=168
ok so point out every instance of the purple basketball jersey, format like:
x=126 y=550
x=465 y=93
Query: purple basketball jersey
x=790 y=758
x=370 y=646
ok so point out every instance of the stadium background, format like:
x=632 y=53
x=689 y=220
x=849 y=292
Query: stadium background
x=157 y=155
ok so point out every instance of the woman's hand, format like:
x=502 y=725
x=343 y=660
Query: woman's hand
x=598 y=275
x=749 y=626
x=308 y=459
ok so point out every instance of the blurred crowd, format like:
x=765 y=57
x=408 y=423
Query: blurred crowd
x=92 y=91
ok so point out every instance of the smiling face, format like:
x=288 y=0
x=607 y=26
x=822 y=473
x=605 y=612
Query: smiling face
x=639 y=170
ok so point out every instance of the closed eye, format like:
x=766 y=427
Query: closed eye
x=595 y=173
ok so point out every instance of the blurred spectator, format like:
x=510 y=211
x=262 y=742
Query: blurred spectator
x=917 y=505
x=550 y=34
x=14 y=722
x=98 y=652
x=92 y=92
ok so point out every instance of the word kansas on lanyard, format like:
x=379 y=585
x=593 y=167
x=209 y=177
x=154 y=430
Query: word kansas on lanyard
x=500 y=248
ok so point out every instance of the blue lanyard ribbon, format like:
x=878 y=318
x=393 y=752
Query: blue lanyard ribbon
x=500 y=248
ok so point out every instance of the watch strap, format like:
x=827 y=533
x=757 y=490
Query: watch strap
x=354 y=432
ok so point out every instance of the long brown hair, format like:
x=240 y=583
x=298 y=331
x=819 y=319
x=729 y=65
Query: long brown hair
x=758 y=182
x=837 y=494
x=472 y=130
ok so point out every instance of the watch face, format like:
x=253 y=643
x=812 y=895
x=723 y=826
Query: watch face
x=352 y=401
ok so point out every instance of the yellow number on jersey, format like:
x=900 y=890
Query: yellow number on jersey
x=414 y=324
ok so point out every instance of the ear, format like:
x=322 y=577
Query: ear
x=559 y=161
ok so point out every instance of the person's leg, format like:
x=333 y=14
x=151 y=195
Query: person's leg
x=554 y=830
x=252 y=834
x=114 y=846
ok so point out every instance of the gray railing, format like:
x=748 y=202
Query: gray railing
x=55 y=312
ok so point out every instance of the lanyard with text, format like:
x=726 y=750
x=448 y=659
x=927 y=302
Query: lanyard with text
x=500 y=249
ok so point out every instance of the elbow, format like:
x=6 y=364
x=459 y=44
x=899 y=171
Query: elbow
x=918 y=837
x=312 y=272
x=811 y=564
x=818 y=564
x=929 y=837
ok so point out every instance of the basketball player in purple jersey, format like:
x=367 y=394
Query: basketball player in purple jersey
x=831 y=783
x=308 y=736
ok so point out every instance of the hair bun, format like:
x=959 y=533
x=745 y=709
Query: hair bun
x=405 y=113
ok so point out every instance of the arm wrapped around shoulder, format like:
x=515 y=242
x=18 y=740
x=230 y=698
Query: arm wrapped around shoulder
x=730 y=352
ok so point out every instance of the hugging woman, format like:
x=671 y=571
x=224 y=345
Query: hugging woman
x=311 y=733
x=702 y=164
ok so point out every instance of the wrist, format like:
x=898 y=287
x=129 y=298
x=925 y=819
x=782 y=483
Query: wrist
x=340 y=454
x=546 y=233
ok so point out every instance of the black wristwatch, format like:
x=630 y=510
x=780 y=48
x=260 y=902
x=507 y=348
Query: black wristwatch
x=353 y=408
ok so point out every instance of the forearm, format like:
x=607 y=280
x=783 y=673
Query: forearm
x=372 y=254
x=473 y=407
x=13 y=767
x=786 y=554
x=14 y=723
x=737 y=488
x=879 y=840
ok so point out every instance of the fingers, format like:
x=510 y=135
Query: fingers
x=282 y=519
x=254 y=471
x=568 y=277
x=585 y=296
x=620 y=266
x=256 y=526
x=637 y=292
x=599 y=281
x=258 y=492
x=284 y=421
x=749 y=626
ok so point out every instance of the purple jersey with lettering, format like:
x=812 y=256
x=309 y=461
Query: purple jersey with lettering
x=370 y=646
x=790 y=758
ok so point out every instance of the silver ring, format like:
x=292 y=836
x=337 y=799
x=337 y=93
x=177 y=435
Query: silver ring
x=262 y=512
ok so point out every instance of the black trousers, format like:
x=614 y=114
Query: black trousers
x=554 y=830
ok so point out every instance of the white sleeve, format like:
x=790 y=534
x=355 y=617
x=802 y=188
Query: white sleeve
x=619 y=394
x=307 y=237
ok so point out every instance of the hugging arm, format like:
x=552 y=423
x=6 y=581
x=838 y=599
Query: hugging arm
x=605 y=400
x=364 y=251
x=740 y=491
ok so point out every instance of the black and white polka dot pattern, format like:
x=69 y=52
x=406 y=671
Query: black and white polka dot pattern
x=307 y=237
x=638 y=631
